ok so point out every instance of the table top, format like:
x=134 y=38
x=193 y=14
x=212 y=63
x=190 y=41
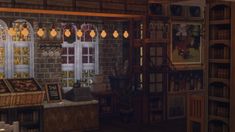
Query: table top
x=65 y=103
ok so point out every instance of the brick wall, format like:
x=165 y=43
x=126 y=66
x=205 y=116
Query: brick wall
x=48 y=69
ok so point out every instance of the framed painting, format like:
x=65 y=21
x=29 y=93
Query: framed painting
x=186 y=43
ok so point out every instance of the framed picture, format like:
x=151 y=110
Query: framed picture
x=53 y=92
x=186 y=43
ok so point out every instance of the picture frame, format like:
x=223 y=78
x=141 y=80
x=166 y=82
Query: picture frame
x=186 y=43
x=53 y=92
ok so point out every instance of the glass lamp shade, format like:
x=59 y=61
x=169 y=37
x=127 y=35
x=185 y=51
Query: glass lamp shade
x=67 y=32
x=79 y=33
x=53 y=32
x=103 y=34
x=11 y=31
x=92 y=33
x=115 y=34
x=125 y=34
x=40 y=32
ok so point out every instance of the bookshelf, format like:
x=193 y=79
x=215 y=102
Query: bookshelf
x=29 y=117
x=156 y=41
x=219 y=65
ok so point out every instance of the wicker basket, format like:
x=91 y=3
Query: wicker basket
x=27 y=97
x=5 y=99
x=6 y=95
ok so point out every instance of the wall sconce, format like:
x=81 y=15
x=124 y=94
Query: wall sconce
x=79 y=33
x=40 y=31
x=92 y=33
x=53 y=31
x=67 y=32
x=25 y=31
x=103 y=34
x=11 y=31
x=125 y=34
x=115 y=34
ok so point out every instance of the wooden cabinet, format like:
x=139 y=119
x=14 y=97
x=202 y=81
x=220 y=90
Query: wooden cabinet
x=30 y=117
x=71 y=116
x=196 y=113
x=107 y=103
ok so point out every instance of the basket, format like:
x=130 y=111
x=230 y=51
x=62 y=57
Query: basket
x=22 y=98
x=5 y=99
x=5 y=94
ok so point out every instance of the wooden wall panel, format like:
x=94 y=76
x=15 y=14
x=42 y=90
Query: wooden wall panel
x=60 y=3
x=88 y=4
x=34 y=2
x=114 y=6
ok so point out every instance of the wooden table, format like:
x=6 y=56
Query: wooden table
x=68 y=116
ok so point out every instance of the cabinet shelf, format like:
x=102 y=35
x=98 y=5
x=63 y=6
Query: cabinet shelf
x=219 y=99
x=215 y=42
x=225 y=81
x=226 y=61
x=223 y=21
x=213 y=117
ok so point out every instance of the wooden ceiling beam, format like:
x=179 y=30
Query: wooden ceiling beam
x=72 y=13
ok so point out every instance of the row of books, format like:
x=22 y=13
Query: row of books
x=220 y=13
x=178 y=84
x=219 y=71
x=218 y=127
x=220 y=34
x=220 y=53
x=219 y=90
x=219 y=109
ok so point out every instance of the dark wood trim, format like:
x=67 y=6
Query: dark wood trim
x=72 y=13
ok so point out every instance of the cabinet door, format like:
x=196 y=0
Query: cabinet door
x=196 y=113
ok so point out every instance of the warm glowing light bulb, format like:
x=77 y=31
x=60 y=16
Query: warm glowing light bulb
x=25 y=32
x=92 y=33
x=67 y=32
x=79 y=33
x=115 y=34
x=40 y=32
x=53 y=32
x=125 y=34
x=103 y=34
x=11 y=31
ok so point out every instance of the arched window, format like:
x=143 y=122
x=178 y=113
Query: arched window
x=23 y=50
x=4 y=38
x=79 y=57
